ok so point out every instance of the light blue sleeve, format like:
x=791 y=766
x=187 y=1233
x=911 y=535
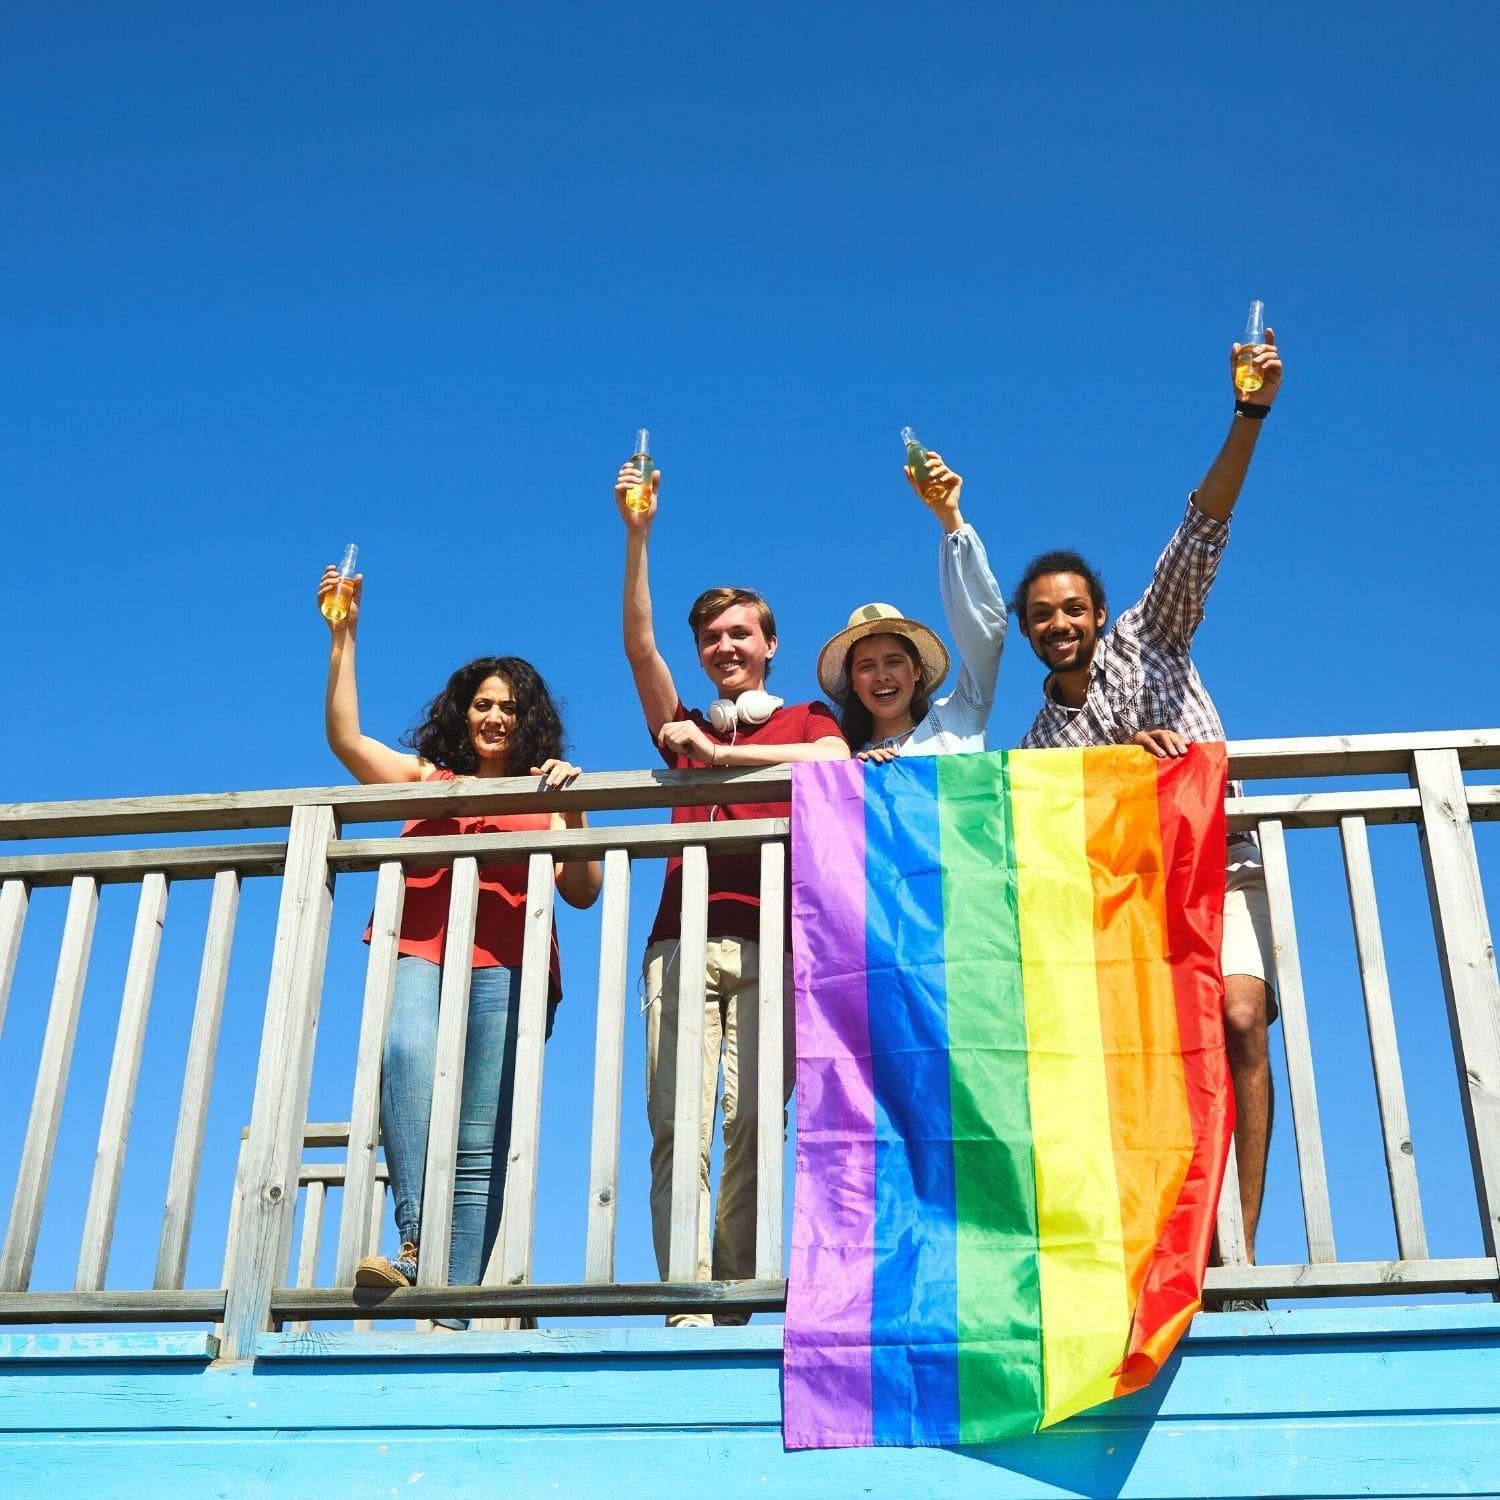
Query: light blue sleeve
x=976 y=615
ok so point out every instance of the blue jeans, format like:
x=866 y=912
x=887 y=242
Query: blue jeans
x=485 y=1108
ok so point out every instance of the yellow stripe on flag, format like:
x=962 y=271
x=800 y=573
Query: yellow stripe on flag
x=1085 y=1312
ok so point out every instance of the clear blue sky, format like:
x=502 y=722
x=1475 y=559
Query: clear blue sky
x=273 y=280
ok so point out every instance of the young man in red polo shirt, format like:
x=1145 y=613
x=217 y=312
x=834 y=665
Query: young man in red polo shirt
x=735 y=635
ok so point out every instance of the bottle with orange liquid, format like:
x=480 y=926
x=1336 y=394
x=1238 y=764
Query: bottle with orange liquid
x=638 y=496
x=916 y=461
x=335 y=604
x=1246 y=377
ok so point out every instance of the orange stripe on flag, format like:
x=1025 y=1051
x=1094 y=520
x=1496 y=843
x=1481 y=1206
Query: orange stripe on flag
x=1152 y=1131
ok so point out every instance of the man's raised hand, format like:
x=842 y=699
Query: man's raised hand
x=1266 y=359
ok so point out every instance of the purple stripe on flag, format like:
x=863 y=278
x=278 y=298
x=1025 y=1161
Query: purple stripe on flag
x=829 y=1296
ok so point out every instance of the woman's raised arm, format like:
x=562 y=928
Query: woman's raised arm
x=366 y=760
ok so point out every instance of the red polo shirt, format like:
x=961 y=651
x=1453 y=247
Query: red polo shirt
x=734 y=879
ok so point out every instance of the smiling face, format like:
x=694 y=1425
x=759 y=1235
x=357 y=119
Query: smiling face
x=883 y=676
x=492 y=723
x=734 y=651
x=1061 y=621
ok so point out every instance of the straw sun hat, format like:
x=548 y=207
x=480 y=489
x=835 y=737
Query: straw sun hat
x=880 y=619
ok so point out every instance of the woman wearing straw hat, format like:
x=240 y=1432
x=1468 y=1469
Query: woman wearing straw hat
x=883 y=670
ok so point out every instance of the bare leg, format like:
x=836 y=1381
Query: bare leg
x=1245 y=1004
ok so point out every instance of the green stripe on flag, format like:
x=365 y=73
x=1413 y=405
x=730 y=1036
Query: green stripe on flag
x=1000 y=1382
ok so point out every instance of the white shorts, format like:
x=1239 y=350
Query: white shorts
x=1247 y=946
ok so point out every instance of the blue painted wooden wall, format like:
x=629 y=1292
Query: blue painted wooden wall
x=1351 y=1401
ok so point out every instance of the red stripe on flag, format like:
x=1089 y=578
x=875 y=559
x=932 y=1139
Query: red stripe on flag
x=1190 y=797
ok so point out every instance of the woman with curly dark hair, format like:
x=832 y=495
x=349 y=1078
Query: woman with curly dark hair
x=494 y=717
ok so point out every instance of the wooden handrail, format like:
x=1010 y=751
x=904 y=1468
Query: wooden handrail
x=623 y=791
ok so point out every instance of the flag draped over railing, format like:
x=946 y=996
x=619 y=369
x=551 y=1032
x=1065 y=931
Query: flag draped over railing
x=1013 y=1104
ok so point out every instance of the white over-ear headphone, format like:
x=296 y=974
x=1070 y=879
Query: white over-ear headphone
x=751 y=709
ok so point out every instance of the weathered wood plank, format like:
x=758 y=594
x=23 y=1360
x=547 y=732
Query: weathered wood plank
x=51 y=1084
x=1306 y=1128
x=112 y=1307
x=75 y=1348
x=510 y=1261
x=770 y=1093
x=126 y=866
x=642 y=841
x=364 y=1110
x=1380 y=1022
x=1466 y=957
x=1484 y=803
x=13 y=902
x=334 y=1174
x=1231 y=1218
x=448 y=1076
x=372 y=1245
x=197 y=1082
x=124 y=1074
x=318 y=1133
x=1356 y=1278
x=1336 y=755
x=692 y=962
x=312 y=1241
x=1358 y=754
x=1323 y=809
x=609 y=1060
x=1462 y=1327
x=279 y=1113
x=571 y=1300
x=612 y=791
x=232 y=1228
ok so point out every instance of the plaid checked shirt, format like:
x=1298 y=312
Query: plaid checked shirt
x=1143 y=676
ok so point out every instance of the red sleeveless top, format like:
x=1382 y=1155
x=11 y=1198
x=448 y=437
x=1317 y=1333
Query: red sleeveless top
x=500 y=925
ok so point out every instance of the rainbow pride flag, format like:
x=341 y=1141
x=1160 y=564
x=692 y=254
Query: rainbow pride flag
x=1013 y=1103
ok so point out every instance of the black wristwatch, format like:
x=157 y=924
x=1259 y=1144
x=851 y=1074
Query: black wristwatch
x=1254 y=413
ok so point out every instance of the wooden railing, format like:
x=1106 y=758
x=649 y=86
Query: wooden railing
x=259 y=1287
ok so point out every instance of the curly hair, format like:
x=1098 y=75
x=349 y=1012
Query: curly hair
x=442 y=734
x=1047 y=563
x=856 y=722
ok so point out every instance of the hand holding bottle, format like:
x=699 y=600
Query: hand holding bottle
x=636 y=496
x=1254 y=364
x=937 y=486
x=338 y=598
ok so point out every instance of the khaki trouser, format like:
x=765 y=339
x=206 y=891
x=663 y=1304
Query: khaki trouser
x=731 y=1023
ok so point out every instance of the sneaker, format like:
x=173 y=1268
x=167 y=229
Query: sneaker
x=377 y=1270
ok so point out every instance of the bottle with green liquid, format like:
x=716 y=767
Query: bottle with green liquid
x=916 y=461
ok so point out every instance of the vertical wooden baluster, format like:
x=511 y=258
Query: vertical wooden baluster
x=51 y=1084
x=1466 y=956
x=609 y=1056
x=13 y=902
x=372 y=1242
x=124 y=1074
x=312 y=1238
x=1380 y=1022
x=197 y=1080
x=770 y=1145
x=1317 y=1214
x=278 y=1116
x=510 y=1260
x=1231 y=1219
x=692 y=962
x=448 y=1079
x=364 y=1112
